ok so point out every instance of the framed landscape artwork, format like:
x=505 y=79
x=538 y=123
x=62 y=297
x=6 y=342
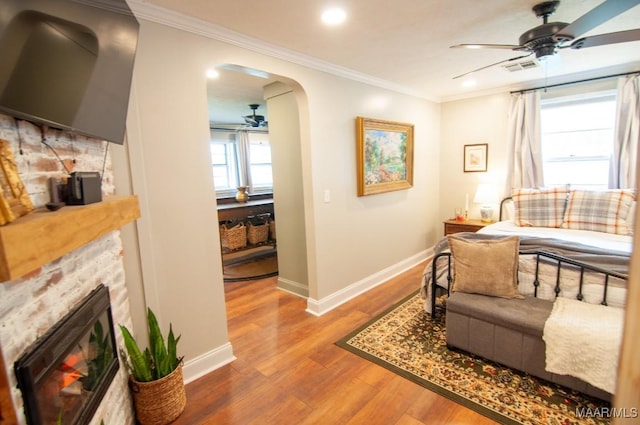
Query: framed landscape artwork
x=385 y=155
x=475 y=157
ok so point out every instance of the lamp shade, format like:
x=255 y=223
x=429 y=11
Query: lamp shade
x=486 y=194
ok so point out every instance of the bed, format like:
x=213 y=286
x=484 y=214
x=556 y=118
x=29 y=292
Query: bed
x=531 y=291
x=597 y=244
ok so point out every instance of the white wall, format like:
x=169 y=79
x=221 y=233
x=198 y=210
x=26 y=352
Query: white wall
x=353 y=242
x=466 y=122
x=288 y=190
x=356 y=237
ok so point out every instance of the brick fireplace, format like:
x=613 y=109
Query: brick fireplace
x=31 y=304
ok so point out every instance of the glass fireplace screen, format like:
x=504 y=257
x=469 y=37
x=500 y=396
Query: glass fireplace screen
x=64 y=375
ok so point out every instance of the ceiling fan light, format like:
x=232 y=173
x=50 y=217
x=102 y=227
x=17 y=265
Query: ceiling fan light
x=542 y=52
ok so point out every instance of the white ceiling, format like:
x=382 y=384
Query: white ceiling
x=406 y=44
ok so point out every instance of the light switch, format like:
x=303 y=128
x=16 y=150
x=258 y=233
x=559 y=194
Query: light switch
x=327 y=196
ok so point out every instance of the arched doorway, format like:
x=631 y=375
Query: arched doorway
x=228 y=97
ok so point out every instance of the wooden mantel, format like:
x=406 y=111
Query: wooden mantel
x=43 y=236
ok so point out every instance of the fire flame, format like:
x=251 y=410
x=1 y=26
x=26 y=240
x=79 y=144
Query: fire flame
x=71 y=369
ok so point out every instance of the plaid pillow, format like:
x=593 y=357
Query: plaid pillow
x=599 y=211
x=539 y=207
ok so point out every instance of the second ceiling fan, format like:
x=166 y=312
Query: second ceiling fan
x=546 y=39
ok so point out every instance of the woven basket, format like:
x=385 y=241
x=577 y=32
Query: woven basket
x=161 y=401
x=233 y=237
x=257 y=233
x=272 y=229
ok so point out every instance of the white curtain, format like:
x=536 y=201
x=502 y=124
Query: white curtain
x=243 y=158
x=524 y=152
x=627 y=134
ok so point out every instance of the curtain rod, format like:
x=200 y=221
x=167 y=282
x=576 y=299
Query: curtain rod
x=240 y=127
x=575 y=82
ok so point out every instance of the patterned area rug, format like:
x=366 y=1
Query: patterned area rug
x=407 y=341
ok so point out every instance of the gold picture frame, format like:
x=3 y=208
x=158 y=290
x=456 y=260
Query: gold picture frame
x=15 y=201
x=475 y=157
x=384 y=156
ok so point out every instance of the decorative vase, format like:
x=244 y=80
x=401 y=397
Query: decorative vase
x=242 y=195
x=161 y=401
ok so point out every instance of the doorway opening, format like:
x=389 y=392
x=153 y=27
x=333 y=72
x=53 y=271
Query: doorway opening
x=262 y=111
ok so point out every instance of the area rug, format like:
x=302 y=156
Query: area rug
x=258 y=265
x=409 y=342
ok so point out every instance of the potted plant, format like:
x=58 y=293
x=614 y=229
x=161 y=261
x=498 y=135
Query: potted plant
x=155 y=375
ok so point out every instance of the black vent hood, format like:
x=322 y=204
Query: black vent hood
x=68 y=64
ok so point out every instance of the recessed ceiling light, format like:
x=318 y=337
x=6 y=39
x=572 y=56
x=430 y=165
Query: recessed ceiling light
x=469 y=83
x=212 y=73
x=334 y=16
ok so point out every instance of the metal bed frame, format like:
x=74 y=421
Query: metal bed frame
x=560 y=261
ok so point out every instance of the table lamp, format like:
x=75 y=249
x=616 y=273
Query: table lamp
x=487 y=196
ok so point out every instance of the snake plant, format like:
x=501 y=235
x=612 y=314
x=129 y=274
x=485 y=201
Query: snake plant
x=156 y=361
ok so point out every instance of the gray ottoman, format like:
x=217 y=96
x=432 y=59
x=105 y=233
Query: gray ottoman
x=509 y=332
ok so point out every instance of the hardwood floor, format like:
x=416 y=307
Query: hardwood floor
x=289 y=371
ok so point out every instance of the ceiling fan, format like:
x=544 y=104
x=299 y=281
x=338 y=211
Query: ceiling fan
x=545 y=40
x=255 y=120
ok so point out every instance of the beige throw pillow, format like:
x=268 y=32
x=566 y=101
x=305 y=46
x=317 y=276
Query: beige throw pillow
x=487 y=267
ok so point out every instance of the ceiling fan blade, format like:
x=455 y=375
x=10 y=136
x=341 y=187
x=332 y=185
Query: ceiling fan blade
x=597 y=16
x=602 y=39
x=488 y=46
x=493 y=64
x=249 y=120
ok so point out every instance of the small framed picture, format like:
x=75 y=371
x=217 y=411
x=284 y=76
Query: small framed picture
x=475 y=157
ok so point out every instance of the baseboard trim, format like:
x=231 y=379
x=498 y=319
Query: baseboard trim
x=292 y=287
x=326 y=304
x=207 y=362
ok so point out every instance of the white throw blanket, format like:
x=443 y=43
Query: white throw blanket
x=583 y=340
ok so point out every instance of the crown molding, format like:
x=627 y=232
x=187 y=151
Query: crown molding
x=153 y=13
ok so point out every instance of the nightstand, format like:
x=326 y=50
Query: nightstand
x=470 y=225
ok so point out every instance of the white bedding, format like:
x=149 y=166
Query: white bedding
x=620 y=243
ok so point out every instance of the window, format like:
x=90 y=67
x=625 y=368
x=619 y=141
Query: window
x=260 y=162
x=227 y=157
x=223 y=160
x=577 y=140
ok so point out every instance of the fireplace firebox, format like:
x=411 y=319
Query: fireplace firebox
x=64 y=375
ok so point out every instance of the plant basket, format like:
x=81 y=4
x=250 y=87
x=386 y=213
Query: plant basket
x=233 y=236
x=161 y=401
x=257 y=233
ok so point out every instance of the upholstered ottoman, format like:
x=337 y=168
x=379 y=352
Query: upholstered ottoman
x=507 y=331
